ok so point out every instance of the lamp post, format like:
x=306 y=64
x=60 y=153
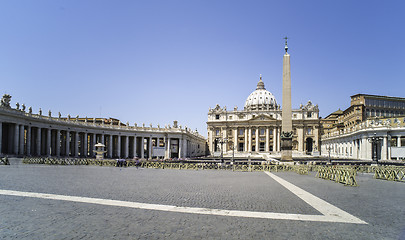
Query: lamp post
x=222 y=141
x=374 y=140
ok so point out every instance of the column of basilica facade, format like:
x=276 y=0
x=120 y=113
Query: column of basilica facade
x=23 y=133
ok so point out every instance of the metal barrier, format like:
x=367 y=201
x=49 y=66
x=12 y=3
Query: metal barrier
x=69 y=161
x=345 y=175
x=5 y=161
x=390 y=173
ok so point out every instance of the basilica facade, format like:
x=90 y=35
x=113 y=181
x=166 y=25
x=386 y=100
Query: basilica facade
x=257 y=128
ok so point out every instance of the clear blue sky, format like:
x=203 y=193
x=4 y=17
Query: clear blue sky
x=159 y=61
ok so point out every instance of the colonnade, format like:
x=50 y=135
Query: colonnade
x=358 y=146
x=66 y=141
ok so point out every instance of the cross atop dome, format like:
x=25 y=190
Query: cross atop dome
x=260 y=84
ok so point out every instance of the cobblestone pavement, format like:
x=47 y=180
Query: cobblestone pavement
x=380 y=203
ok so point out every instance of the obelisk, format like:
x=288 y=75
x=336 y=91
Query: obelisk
x=286 y=121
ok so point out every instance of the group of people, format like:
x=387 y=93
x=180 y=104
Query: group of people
x=123 y=163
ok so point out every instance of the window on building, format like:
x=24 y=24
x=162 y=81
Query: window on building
x=271 y=132
x=253 y=132
x=217 y=132
x=402 y=141
x=241 y=131
x=262 y=131
x=394 y=141
x=230 y=117
x=309 y=130
x=262 y=147
x=217 y=116
x=309 y=114
x=161 y=142
x=154 y=142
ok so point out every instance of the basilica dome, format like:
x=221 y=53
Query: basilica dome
x=260 y=99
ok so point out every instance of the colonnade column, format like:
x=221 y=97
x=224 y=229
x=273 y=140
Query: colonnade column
x=110 y=146
x=388 y=149
x=126 y=147
x=180 y=148
x=1 y=136
x=48 y=142
x=168 y=148
x=235 y=139
x=142 y=147
x=16 y=138
x=267 y=147
x=150 y=148
x=85 y=145
x=58 y=143
x=38 y=142
x=384 y=149
x=274 y=139
x=28 y=140
x=119 y=146
x=67 y=144
x=21 y=138
x=76 y=142
x=92 y=137
x=363 y=148
x=135 y=147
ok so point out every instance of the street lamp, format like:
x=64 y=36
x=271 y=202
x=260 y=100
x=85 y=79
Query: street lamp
x=374 y=140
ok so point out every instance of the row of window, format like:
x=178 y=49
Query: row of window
x=309 y=115
x=262 y=132
x=384 y=103
x=383 y=113
x=394 y=142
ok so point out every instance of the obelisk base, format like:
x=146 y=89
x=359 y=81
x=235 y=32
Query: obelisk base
x=286 y=149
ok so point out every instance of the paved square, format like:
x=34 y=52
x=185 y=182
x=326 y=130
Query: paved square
x=103 y=202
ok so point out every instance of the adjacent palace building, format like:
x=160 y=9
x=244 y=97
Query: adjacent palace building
x=373 y=127
x=23 y=133
x=257 y=128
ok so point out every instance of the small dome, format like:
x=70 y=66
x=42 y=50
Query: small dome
x=260 y=99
